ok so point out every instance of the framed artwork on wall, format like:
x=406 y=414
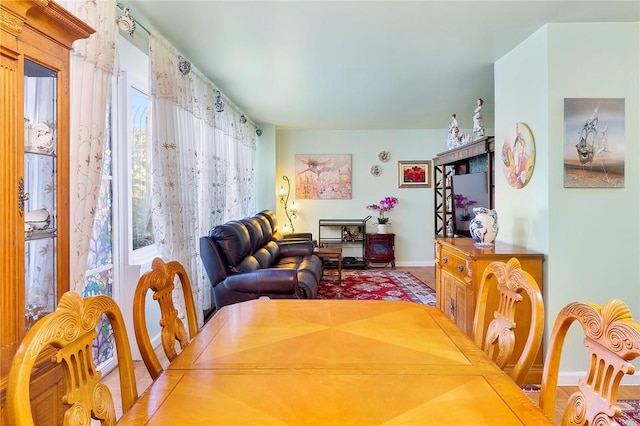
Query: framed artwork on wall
x=323 y=176
x=594 y=143
x=414 y=174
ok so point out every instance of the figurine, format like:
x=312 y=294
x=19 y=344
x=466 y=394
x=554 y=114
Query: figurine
x=478 y=128
x=449 y=229
x=453 y=138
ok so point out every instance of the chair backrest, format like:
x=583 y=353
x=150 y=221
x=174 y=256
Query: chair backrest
x=612 y=339
x=161 y=280
x=71 y=329
x=498 y=338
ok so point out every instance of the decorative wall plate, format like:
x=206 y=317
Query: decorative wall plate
x=384 y=156
x=518 y=155
x=376 y=170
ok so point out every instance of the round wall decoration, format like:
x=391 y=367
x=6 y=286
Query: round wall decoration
x=376 y=170
x=384 y=156
x=518 y=155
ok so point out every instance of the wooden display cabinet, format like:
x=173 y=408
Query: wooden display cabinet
x=459 y=268
x=476 y=156
x=35 y=40
x=380 y=249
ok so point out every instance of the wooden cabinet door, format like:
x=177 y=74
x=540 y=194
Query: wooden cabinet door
x=35 y=39
x=449 y=294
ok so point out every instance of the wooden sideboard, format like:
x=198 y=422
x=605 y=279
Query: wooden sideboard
x=459 y=268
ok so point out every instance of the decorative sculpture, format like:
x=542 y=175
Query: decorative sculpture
x=478 y=127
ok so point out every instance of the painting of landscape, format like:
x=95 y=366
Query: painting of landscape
x=594 y=143
x=323 y=176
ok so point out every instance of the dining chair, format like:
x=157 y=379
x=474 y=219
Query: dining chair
x=498 y=338
x=613 y=339
x=161 y=280
x=71 y=329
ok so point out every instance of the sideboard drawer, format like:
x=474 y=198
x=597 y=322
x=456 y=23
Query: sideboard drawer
x=454 y=264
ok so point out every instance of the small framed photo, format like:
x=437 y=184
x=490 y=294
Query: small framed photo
x=414 y=174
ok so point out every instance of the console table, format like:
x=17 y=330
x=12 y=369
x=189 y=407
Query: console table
x=380 y=248
x=349 y=235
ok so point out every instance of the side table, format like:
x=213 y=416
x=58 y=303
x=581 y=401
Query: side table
x=331 y=253
x=380 y=248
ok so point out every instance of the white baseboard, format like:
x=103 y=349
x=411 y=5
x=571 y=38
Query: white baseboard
x=415 y=264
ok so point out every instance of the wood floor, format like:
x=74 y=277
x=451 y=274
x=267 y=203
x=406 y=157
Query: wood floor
x=425 y=274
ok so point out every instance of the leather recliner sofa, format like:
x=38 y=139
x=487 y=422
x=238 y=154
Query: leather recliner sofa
x=246 y=259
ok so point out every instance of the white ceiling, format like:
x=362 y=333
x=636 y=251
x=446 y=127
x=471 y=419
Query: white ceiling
x=359 y=64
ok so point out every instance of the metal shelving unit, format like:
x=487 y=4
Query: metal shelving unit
x=349 y=234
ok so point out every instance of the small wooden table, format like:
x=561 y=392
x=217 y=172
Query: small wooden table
x=340 y=362
x=331 y=253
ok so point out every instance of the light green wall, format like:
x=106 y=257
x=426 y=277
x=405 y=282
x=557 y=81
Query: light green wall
x=411 y=220
x=590 y=236
x=521 y=96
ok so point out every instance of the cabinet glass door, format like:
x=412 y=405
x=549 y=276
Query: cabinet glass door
x=40 y=191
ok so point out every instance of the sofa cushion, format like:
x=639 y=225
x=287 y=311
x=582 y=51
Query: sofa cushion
x=234 y=243
x=248 y=264
x=264 y=257
x=267 y=230
x=254 y=228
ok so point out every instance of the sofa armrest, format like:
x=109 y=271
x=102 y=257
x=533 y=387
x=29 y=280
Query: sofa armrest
x=297 y=236
x=262 y=281
x=295 y=248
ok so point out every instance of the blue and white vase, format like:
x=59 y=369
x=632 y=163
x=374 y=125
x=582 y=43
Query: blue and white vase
x=484 y=227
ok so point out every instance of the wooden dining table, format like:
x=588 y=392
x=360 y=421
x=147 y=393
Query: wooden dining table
x=332 y=362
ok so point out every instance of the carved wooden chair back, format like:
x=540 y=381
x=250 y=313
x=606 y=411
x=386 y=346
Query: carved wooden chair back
x=161 y=280
x=498 y=338
x=71 y=329
x=612 y=339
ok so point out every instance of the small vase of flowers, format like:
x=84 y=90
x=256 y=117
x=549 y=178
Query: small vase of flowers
x=385 y=205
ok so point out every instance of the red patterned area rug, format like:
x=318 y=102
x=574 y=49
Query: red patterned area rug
x=630 y=412
x=630 y=408
x=376 y=285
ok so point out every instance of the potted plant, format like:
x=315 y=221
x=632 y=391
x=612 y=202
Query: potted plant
x=385 y=205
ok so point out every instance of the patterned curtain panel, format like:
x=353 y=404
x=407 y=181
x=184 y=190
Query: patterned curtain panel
x=92 y=66
x=203 y=162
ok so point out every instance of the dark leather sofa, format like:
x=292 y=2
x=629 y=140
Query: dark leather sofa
x=248 y=258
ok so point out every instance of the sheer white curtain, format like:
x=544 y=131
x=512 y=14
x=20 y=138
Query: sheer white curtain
x=203 y=162
x=92 y=65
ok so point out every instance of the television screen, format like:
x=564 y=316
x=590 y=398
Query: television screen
x=469 y=191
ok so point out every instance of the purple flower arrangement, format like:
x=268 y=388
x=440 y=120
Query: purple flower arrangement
x=385 y=205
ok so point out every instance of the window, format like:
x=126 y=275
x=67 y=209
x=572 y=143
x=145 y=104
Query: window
x=141 y=225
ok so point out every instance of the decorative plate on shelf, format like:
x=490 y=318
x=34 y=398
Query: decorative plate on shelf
x=376 y=170
x=384 y=156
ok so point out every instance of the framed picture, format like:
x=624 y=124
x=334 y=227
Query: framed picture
x=414 y=174
x=323 y=176
x=594 y=143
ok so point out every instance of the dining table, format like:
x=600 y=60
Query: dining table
x=332 y=362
